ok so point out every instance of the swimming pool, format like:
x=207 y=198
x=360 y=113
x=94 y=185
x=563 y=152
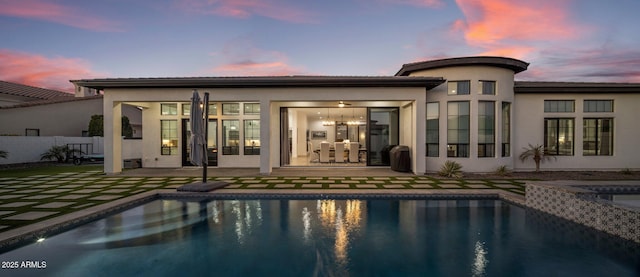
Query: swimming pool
x=328 y=237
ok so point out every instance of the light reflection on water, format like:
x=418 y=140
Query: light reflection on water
x=317 y=238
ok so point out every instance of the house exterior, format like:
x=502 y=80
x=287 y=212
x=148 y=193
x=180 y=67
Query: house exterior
x=469 y=110
x=32 y=111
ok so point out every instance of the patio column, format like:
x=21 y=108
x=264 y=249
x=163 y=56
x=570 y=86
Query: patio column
x=420 y=136
x=265 y=137
x=112 y=136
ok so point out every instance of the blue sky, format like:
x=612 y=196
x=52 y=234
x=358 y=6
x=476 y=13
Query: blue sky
x=48 y=42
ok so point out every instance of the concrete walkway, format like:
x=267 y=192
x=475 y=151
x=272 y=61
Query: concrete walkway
x=283 y=171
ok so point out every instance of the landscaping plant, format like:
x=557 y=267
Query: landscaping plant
x=451 y=169
x=59 y=153
x=537 y=153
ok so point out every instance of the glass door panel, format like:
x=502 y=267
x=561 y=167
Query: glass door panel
x=382 y=134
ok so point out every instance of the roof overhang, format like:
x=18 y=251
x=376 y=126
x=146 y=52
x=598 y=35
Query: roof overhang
x=502 y=62
x=261 y=82
x=577 y=87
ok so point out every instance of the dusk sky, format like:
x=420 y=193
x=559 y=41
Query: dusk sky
x=46 y=43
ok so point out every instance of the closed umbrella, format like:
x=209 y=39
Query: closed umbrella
x=197 y=141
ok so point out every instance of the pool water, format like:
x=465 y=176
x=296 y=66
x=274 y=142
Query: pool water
x=328 y=238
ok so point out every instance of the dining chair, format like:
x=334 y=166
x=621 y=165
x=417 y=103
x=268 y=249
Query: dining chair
x=339 y=156
x=324 y=152
x=354 y=152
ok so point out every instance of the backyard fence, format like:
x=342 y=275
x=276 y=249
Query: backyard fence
x=28 y=149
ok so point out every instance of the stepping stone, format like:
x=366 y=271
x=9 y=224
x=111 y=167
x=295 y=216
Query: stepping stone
x=423 y=186
x=30 y=215
x=69 y=186
x=3 y=191
x=54 y=205
x=394 y=187
x=312 y=186
x=299 y=181
x=233 y=186
x=10 y=196
x=339 y=186
x=122 y=186
x=105 y=197
x=375 y=182
x=285 y=186
x=149 y=186
x=257 y=186
x=38 y=197
x=449 y=186
x=73 y=196
x=400 y=182
x=83 y=206
x=367 y=186
x=56 y=191
x=86 y=191
x=115 y=191
x=478 y=186
x=6 y=212
x=17 y=204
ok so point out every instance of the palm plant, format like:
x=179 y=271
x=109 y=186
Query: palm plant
x=536 y=152
x=59 y=153
x=4 y=154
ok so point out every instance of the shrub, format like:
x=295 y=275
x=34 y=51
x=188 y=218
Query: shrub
x=502 y=170
x=59 y=153
x=626 y=171
x=4 y=154
x=451 y=169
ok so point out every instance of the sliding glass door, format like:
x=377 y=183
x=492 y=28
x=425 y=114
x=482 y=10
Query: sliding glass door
x=383 y=134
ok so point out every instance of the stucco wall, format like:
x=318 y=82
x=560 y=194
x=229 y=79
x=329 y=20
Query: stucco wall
x=529 y=122
x=504 y=92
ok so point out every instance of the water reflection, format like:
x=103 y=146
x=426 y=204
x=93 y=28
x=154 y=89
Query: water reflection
x=480 y=260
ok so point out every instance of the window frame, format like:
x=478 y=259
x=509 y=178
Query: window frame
x=506 y=129
x=251 y=148
x=171 y=112
x=557 y=151
x=457 y=90
x=597 y=134
x=482 y=87
x=487 y=149
x=455 y=147
x=171 y=136
x=565 y=101
x=433 y=141
x=587 y=110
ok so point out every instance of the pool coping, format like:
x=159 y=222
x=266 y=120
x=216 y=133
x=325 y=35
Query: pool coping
x=14 y=238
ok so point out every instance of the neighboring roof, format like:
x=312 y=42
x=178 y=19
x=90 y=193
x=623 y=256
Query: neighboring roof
x=508 y=63
x=262 y=82
x=30 y=92
x=575 y=87
x=56 y=100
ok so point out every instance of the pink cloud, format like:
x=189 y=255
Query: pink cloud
x=52 y=12
x=39 y=71
x=240 y=58
x=418 y=3
x=509 y=27
x=585 y=65
x=247 y=8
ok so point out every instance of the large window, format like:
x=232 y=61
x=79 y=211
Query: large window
x=559 y=106
x=598 y=106
x=486 y=129
x=458 y=129
x=252 y=137
x=230 y=137
x=488 y=87
x=169 y=109
x=506 y=129
x=433 y=129
x=459 y=87
x=213 y=109
x=169 y=137
x=597 y=137
x=558 y=133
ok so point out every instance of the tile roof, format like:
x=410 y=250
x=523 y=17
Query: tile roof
x=575 y=87
x=54 y=100
x=30 y=92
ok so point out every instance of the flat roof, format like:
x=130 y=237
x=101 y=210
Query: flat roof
x=262 y=82
x=508 y=63
x=575 y=87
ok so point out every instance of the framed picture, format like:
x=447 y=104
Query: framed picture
x=318 y=135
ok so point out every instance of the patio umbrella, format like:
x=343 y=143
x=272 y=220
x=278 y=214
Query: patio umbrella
x=197 y=141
